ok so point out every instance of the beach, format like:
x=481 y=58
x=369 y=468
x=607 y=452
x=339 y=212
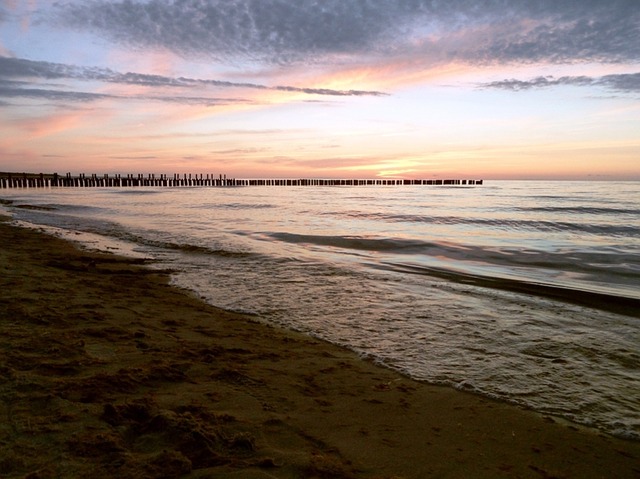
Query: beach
x=108 y=371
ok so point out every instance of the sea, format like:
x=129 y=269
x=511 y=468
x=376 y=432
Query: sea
x=523 y=291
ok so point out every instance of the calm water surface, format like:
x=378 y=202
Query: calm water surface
x=449 y=285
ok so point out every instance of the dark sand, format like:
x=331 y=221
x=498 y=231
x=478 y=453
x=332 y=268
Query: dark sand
x=106 y=371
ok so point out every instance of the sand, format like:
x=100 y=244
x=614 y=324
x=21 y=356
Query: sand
x=107 y=371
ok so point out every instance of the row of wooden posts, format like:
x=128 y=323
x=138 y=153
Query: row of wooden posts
x=25 y=180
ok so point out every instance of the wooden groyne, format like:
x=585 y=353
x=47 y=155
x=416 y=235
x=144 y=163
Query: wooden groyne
x=42 y=180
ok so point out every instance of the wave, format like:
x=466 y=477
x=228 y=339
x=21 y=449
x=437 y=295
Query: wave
x=625 y=305
x=36 y=207
x=187 y=248
x=133 y=192
x=57 y=208
x=601 y=278
x=245 y=206
x=542 y=226
x=155 y=239
x=62 y=217
x=582 y=210
x=397 y=245
x=572 y=260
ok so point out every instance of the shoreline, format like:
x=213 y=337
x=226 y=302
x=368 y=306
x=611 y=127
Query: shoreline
x=108 y=371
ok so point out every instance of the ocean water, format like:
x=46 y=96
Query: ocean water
x=527 y=292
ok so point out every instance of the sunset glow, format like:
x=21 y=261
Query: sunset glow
x=322 y=89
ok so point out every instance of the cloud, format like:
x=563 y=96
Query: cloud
x=23 y=68
x=84 y=97
x=15 y=90
x=539 y=82
x=226 y=29
x=624 y=82
x=240 y=151
x=311 y=31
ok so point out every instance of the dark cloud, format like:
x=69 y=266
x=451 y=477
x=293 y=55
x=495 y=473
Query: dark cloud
x=309 y=91
x=277 y=31
x=629 y=82
x=601 y=35
x=230 y=28
x=23 y=68
x=15 y=90
x=624 y=82
x=66 y=96
x=12 y=89
x=539 y=82
x=191 y=100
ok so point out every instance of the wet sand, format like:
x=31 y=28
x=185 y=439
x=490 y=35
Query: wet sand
x=107 y=371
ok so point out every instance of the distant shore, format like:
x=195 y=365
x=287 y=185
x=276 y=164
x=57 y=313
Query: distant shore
x=107 y=371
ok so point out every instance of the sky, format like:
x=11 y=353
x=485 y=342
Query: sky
x=485 y=89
